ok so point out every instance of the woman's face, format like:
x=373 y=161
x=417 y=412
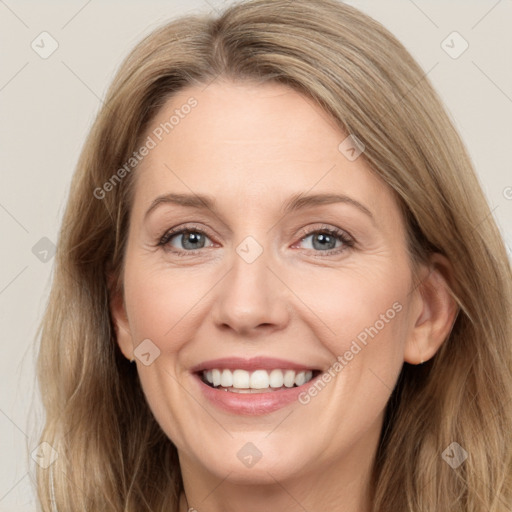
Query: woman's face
x=294 y=266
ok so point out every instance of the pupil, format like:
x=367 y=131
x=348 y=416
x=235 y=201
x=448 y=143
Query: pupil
x=193 y=238
x=324 y=240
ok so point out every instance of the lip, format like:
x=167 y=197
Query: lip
x=251 y=404
x=252 y=364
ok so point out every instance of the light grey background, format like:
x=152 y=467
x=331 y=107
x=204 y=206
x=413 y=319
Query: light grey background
x=48 y=106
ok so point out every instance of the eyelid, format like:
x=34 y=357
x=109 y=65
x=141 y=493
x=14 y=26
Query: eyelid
x=344 y=236
x=348 y=241
x=325 y=227
x=183 y=228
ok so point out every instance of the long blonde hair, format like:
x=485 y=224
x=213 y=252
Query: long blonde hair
x=112 y=455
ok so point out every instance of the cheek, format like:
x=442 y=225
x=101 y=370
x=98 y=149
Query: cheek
x=357 y=305
x=161 y=302
x=366 y=312
x=161 y=307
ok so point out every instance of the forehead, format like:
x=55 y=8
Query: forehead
x=249 y=146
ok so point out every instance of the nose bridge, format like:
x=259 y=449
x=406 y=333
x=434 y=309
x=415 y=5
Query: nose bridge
x=251 y=296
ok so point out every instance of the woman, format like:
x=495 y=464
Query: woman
x=278 y=284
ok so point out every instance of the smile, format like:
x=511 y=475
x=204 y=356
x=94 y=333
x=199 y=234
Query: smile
x=258 y=381
x=254 y=386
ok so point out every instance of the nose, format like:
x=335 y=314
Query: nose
x=252 y=298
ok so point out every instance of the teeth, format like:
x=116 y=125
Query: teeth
x=259 y=379
x=300 y=378
x=276 y=379
x=226 y=379
x=215 y=378
x=289 y=378
x=241 y=379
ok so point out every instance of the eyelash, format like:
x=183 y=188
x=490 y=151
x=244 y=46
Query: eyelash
x=348 y=241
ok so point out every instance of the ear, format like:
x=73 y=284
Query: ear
x=120 y=318
x=436 y=312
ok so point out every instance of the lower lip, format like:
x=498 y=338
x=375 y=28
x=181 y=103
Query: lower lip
x=251 y=404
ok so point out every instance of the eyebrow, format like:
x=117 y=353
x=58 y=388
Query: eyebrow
x=294 y=203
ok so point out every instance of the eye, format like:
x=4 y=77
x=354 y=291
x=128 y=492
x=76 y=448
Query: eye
x=184 y=241
x=189 y=240
x=327 y=240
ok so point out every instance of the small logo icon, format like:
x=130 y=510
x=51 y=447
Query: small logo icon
x=146 y=352
x=454 y=455
x=44 y=250
x=44 y=455
x=249 y=455
x=249 y=249
x=454 y=45
x=351 y=148
x=44 y=45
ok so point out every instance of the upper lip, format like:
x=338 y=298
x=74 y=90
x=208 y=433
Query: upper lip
x=252 y=364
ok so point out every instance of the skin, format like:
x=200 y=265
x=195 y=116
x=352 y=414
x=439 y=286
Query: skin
x=252 y=147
